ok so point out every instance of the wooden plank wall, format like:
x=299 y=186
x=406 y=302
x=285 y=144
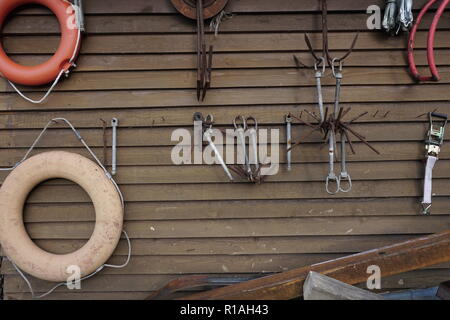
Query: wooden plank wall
x=138 y=64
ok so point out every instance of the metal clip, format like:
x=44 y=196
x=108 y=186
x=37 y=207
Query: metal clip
x=208 y=135
x=289 y=141
x=436 y=134
x=78 y=4
x=253 y=134
x=344 y=176
x=114 y=125
x=331 y=175
x=319 y=75
x=240 y=124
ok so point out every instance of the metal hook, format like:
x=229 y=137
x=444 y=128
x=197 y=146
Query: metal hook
x=209 y=120
x=204 y=59
x=337 y=74
x=325 y=48
x=240 y=123
x=426 y=209
x=318 y=63
x=331 y=175
x=253 y=121
x=345 y=177
x=333 y=178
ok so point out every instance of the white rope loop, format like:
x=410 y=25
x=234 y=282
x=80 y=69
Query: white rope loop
x=63 y=71
x=30 y=287
x=215 y=22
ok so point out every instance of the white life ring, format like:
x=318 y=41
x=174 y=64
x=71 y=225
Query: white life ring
x=14 y=238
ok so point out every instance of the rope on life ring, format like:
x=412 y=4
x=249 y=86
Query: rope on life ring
x=63 y=59
x=108 y=201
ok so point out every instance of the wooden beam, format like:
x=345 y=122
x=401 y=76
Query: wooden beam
x=392 y=260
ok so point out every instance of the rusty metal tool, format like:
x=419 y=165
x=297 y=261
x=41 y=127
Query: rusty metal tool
x=394 y=259
x=200 y=10
x=325 y=41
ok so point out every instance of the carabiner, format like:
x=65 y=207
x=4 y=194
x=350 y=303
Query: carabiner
x=319 y=75
x=345 y=177
x=332 y=177
x=253 y=135
x=337 y=74
x=242 y=124
x=209 y=120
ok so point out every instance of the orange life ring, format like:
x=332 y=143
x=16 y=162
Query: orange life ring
x=14 y=238
x=63 y=58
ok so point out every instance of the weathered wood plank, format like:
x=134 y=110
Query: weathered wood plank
x=178 y=117
x=325 y=226
x=270 y=22
x=222 y=97
x=88 y=296
x=172 y=265
x=360 y=171
x=185 y=43
x=242 y=6
x=307 y=153
x=244 y=191
x=252 y=78
x=381 y=132
x=242 y=60
x=54 y=212
x=169 y=265
x=236 y=246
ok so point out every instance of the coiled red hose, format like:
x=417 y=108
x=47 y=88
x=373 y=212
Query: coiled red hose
x=430 y=43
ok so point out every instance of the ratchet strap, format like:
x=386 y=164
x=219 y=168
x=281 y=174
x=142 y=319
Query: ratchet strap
x=433 y=145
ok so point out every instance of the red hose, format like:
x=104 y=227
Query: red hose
x=430 y=43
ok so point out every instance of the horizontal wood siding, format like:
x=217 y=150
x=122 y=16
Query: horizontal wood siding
x=138 y=63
